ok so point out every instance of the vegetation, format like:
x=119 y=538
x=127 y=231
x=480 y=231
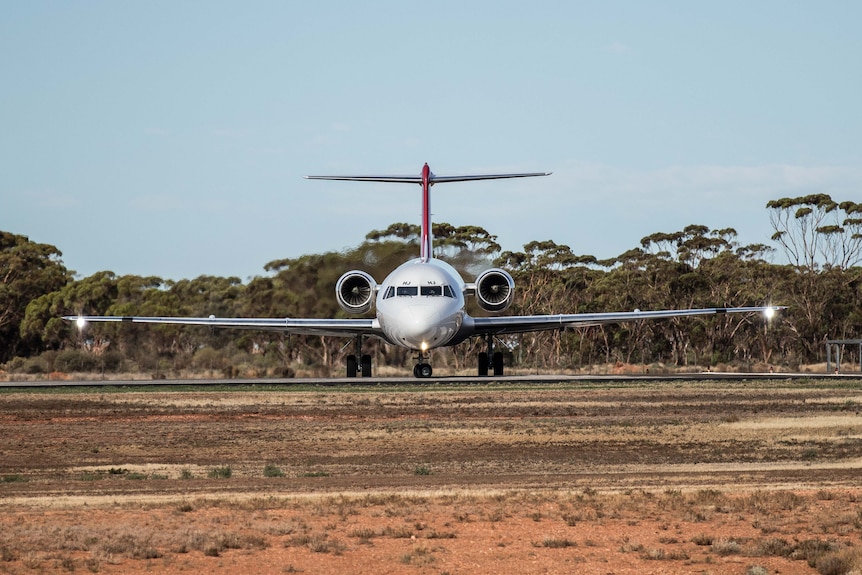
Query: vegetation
x=822 y=285
x=640 y=528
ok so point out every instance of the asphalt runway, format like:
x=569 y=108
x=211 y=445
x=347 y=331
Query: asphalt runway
x=454 y=380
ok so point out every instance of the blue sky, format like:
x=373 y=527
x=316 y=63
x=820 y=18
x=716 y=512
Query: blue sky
x=170 y=138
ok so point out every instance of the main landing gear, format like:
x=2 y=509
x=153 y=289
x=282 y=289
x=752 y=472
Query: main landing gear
x=364 y=365
x=496 y=359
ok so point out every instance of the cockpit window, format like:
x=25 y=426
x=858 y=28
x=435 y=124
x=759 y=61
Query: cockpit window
x=431 y=291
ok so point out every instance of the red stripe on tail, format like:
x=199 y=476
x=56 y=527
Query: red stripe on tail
x=425 y=232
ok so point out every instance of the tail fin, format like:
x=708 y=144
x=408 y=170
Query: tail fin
x=427 y=179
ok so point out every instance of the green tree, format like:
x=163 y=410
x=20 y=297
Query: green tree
x=92 y=295
x=816 y=231
x=28 y=270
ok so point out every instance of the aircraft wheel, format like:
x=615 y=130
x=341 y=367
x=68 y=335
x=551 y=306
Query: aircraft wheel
x=351 y=366
x=365 y=365
x=423 y=370
x=498 y=363
x=483 y=364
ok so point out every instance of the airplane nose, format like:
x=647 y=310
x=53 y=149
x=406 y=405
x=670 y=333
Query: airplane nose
x=421 y=324
x=425 y=326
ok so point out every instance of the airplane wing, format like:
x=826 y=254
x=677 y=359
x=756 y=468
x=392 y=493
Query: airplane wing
x=336 y=327
x=525 y=323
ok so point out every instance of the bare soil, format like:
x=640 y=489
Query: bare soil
x=658 y=477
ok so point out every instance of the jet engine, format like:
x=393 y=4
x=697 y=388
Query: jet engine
x=495 y=290
x=355 y=291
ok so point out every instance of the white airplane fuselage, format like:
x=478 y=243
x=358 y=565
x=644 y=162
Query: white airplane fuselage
x=420 y=305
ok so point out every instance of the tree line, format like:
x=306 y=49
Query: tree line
x=821 y=283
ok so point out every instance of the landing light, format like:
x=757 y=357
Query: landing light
x=81 y=322
x=424 y=346
x=769 y=312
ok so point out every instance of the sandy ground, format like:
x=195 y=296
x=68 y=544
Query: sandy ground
x=658 y=477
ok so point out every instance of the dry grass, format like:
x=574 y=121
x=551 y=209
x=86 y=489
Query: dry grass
x=658 y=477
x=648 y=526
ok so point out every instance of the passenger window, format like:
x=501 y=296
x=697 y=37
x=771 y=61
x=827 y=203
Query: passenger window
x=410 y=290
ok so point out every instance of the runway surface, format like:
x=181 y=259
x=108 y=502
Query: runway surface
x=547 y=379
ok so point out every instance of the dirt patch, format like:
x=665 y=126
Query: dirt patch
x=652 y=478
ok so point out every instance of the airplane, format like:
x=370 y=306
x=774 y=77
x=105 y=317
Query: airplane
x=421 y=304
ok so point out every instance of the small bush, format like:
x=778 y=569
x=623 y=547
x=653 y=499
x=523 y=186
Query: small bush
x=272 y=470
x=221 y=472
x=726 y=547
x=34 y=366
x=554 y=543
x=14 y=479
x=703 y=539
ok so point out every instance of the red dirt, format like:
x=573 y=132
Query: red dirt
x=661 y=478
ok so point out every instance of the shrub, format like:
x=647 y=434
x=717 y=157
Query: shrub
x=208 y=358
x=272 y=470
x=70 y=360
x=221 y=472
x=33 y=366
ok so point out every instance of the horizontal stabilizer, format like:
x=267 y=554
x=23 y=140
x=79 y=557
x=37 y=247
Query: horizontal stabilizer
x=432 y=179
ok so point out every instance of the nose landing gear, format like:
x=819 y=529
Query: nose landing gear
x=422 y=368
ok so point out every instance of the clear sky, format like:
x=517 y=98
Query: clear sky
x=170 y=138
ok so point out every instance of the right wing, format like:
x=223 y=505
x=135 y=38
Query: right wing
x=336 y=327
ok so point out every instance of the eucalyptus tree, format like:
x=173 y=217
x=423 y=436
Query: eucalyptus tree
x=550 y=279
x=92 y=295
x=815 y=231
x=28 y=270
x=822 y=240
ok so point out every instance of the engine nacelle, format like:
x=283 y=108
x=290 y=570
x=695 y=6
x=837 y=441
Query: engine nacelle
x=495 y=290
x=355 y=291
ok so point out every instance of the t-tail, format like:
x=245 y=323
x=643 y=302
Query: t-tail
x=427 y=179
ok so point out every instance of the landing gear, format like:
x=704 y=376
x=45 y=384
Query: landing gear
x=422 y=370
x=363 y=367
x=422 y=367
x=495 y=357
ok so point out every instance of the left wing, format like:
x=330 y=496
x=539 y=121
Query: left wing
x=525 y=323
x=337 y=327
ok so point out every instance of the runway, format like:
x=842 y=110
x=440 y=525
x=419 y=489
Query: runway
x=544 y=379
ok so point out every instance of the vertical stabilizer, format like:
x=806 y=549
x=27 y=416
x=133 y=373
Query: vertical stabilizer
x=425 y=235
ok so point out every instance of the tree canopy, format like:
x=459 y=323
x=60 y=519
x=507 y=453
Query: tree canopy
x=693 y=267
